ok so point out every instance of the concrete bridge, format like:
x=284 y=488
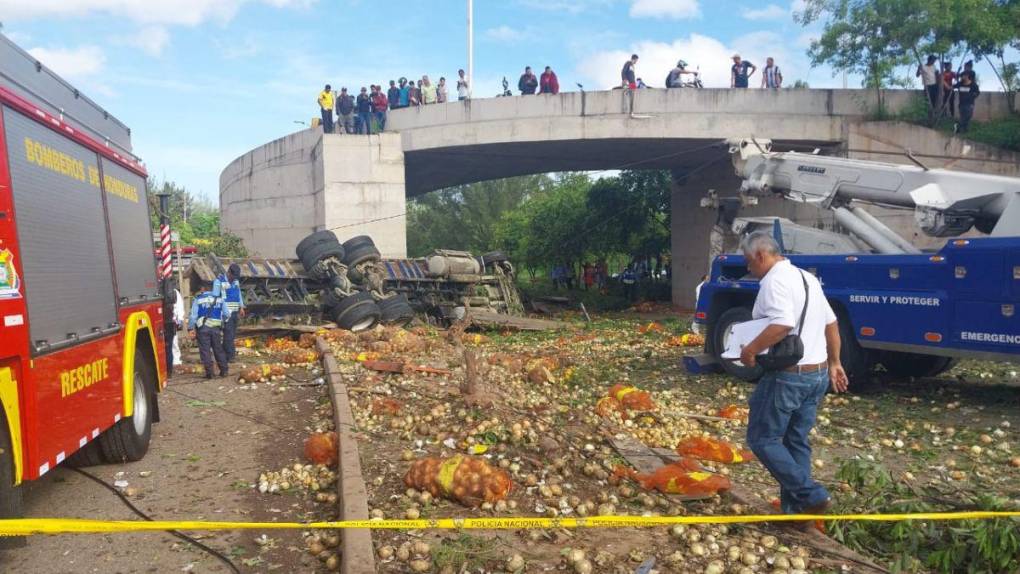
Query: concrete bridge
x=277 y=193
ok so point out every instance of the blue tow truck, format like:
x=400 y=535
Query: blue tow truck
x=915 y=313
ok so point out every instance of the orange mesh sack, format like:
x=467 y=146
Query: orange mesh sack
x=733 y=412
x=712 y=449
x=608 y=405
x=386 y=406
x=467 y=480
x=684 y=477
x=632 y=398
x=300 y=356
x=321 y=448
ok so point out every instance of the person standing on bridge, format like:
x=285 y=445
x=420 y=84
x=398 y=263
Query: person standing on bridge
x=771 y=77
x=415 y=94
x=393 y=95
x=326 y=107
x=929 y=76
x=428 y=91
x=628 y=75
x=442 y=94
x=345 y=111
x=969 y=92
x=405 y=93
x=379 y=106
x=739 y=74
x=785 y=401
x=549 y=83
x=462 y=86
x=528 y=82
x=364 y=106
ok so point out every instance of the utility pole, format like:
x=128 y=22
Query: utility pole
x=470 y=46
x=165 y=268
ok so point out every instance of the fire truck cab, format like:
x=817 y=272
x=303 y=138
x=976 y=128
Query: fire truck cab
x=82 y=354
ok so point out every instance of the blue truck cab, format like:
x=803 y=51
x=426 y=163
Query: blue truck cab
x=914 y=314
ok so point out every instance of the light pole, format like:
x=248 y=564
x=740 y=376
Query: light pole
x=470 y=46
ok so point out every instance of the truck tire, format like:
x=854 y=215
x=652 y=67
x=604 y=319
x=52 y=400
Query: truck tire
x=722 y=327
x=396 y=311
x=357 y=312
x=856 y=360
x=329 y=300
x=360 y=249
x=316 y=238
x=913 y=365
x=317 y=253
x=10 y=495
x=128 y=439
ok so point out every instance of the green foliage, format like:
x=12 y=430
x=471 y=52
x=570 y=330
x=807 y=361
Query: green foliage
x=465 y=552
x=465 y=217
x=800 y=85
x=967 y=546
x=1004 y=133
x=196 y=220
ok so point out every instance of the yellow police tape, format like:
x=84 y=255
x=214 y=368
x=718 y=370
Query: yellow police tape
x=28 y=526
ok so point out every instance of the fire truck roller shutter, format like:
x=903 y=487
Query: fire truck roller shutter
x=128 y=213
x=61 y=233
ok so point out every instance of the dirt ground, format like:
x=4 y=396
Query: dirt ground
x=214 y=440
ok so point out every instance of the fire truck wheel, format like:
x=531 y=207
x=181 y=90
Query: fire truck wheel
x=128 y=439
x=907 y=365
x=357 y=312
x=360 y=249
x=721 y=334
x=317 y=253
x=325 y=236
x=396 y=311
x=10 y=495
x=88 y=455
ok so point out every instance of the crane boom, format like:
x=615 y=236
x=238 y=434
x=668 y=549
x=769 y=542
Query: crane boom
x=946 y=203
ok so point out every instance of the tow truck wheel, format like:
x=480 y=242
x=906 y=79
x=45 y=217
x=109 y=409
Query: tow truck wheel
x=721 y=335
x=10 y=495
x=128 y=439
x=856 y=360
x=907 y=365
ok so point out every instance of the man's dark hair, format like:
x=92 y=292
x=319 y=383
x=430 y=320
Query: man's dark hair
x=234 y=270
x=931 y=59
x=633 y=57
x=328 y=87
x=392 y=83
x=527 y=68
x=548 y=69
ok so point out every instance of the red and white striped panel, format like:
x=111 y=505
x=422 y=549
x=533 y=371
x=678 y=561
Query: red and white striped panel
x=164 y=251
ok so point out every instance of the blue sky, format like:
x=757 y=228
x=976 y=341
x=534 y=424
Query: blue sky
x=202 y=81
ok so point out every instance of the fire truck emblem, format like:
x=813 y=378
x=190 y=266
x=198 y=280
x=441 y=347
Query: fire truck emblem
x=10 y=283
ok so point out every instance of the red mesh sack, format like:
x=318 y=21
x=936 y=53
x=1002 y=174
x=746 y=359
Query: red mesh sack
x=733 y=412
x=467 y=480
x=386 y=406
x=712 y=449
x=608 y=405
x=321 y=448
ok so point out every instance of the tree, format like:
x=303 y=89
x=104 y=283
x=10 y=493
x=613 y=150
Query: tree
x=995 y=41
x=631 y=213
x=465 y=217
x=197 y=221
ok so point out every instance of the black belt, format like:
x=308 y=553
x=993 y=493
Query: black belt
x=806 y=368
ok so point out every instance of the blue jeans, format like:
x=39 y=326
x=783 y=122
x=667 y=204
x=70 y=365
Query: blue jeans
x=381 y=118
x=783 y=409
x=365 y=118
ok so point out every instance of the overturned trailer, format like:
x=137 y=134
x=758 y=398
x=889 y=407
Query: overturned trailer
x=438 y=288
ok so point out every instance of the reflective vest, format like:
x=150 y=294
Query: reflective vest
x=210 y=310
x=231 y=293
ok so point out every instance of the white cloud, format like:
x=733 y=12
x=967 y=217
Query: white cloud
x=805 y=39
x=181 y=12
x=674 y=9
x=601 y=70
x=568 y=6
x=507 y=35
x=797 y=6
x=770 y=12
x=76 y=63
x=150 y=39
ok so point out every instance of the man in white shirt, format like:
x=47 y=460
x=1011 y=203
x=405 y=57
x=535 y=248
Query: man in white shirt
x=784 y=404
x=929 y=74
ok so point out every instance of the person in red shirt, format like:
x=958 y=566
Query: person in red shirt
x=380 y=103
x=948 y=79
x=548 y=83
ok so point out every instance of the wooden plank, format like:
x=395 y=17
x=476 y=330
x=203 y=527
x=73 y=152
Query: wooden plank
x=490 y=319
x=646 y=461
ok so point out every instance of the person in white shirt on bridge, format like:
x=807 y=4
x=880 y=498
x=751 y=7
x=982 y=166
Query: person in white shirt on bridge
x=785 y=402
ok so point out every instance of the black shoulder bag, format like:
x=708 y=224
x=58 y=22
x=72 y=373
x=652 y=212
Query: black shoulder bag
x=790 y=350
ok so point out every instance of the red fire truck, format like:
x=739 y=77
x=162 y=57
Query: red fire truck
x=82 y=352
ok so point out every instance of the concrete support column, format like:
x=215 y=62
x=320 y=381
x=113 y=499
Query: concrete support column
x=364 y=189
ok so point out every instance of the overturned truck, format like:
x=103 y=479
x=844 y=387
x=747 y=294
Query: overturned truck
x=353 y=286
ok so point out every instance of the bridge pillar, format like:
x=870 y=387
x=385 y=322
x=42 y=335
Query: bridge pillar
x=363 y=179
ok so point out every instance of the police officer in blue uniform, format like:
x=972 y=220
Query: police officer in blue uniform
x=228 y=287
x=208 y=314
x=629 y=279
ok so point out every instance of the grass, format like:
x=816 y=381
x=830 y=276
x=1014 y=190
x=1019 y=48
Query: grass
x=465 y=552
x=1002 y=133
